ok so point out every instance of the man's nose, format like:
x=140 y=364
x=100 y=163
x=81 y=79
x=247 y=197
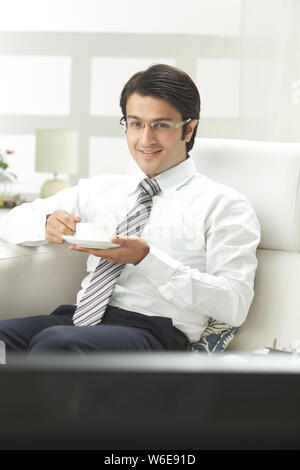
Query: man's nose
x=147 y=135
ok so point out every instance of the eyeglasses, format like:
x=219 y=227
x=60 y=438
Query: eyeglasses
x=158 y=127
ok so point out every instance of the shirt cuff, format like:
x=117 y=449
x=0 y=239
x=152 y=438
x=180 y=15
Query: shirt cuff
x=157 y=266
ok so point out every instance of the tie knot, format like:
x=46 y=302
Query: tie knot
x=149 y=186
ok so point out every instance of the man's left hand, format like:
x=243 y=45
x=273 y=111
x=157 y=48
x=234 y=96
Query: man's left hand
x=131 y=250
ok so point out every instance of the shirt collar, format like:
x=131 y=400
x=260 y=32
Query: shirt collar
x=170 y=180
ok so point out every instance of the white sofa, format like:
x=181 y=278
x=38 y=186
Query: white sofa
x=35 y=280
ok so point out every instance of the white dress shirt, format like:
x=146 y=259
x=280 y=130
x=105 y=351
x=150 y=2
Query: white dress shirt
x=202 y=235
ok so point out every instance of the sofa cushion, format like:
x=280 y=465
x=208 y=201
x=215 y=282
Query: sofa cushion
x=215 y=337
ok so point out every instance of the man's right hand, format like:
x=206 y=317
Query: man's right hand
x=60 y=223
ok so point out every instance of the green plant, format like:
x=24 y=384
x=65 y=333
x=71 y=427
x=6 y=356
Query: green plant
x=3 y=154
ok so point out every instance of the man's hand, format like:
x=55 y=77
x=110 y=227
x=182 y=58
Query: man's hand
x=132 y=250
x=60 y=223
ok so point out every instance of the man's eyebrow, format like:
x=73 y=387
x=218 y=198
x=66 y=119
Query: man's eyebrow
x=153 y=120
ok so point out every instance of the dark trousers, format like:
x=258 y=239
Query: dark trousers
x=120 y=330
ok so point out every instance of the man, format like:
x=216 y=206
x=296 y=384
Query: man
x=187 y=244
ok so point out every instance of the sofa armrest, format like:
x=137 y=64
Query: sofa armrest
x=35 y=280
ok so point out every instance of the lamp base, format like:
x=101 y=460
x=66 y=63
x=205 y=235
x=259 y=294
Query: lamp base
x=52 y=187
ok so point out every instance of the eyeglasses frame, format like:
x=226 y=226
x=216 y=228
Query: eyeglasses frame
x=123 y=123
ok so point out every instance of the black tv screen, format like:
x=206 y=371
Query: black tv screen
x=150 y=401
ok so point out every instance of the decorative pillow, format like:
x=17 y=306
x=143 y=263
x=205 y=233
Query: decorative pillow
x=215 y=337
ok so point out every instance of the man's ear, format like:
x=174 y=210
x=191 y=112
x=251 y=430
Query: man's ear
x=190 y=129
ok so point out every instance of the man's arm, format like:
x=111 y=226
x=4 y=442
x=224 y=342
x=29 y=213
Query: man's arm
x=26 y=224
x=225 y=290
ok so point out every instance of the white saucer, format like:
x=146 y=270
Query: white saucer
x=100 y=244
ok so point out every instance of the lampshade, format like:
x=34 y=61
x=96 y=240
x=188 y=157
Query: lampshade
x=56 y=151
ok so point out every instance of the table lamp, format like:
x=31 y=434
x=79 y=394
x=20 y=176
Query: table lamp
x=56 y=152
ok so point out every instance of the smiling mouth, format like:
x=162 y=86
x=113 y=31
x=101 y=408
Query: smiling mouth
x=150 y=152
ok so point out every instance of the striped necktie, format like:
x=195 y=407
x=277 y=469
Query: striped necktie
x=94 y=301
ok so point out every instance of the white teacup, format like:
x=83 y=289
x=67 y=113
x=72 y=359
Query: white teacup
x=92 y=231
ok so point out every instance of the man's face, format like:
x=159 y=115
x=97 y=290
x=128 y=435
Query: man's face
x=155 y=152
